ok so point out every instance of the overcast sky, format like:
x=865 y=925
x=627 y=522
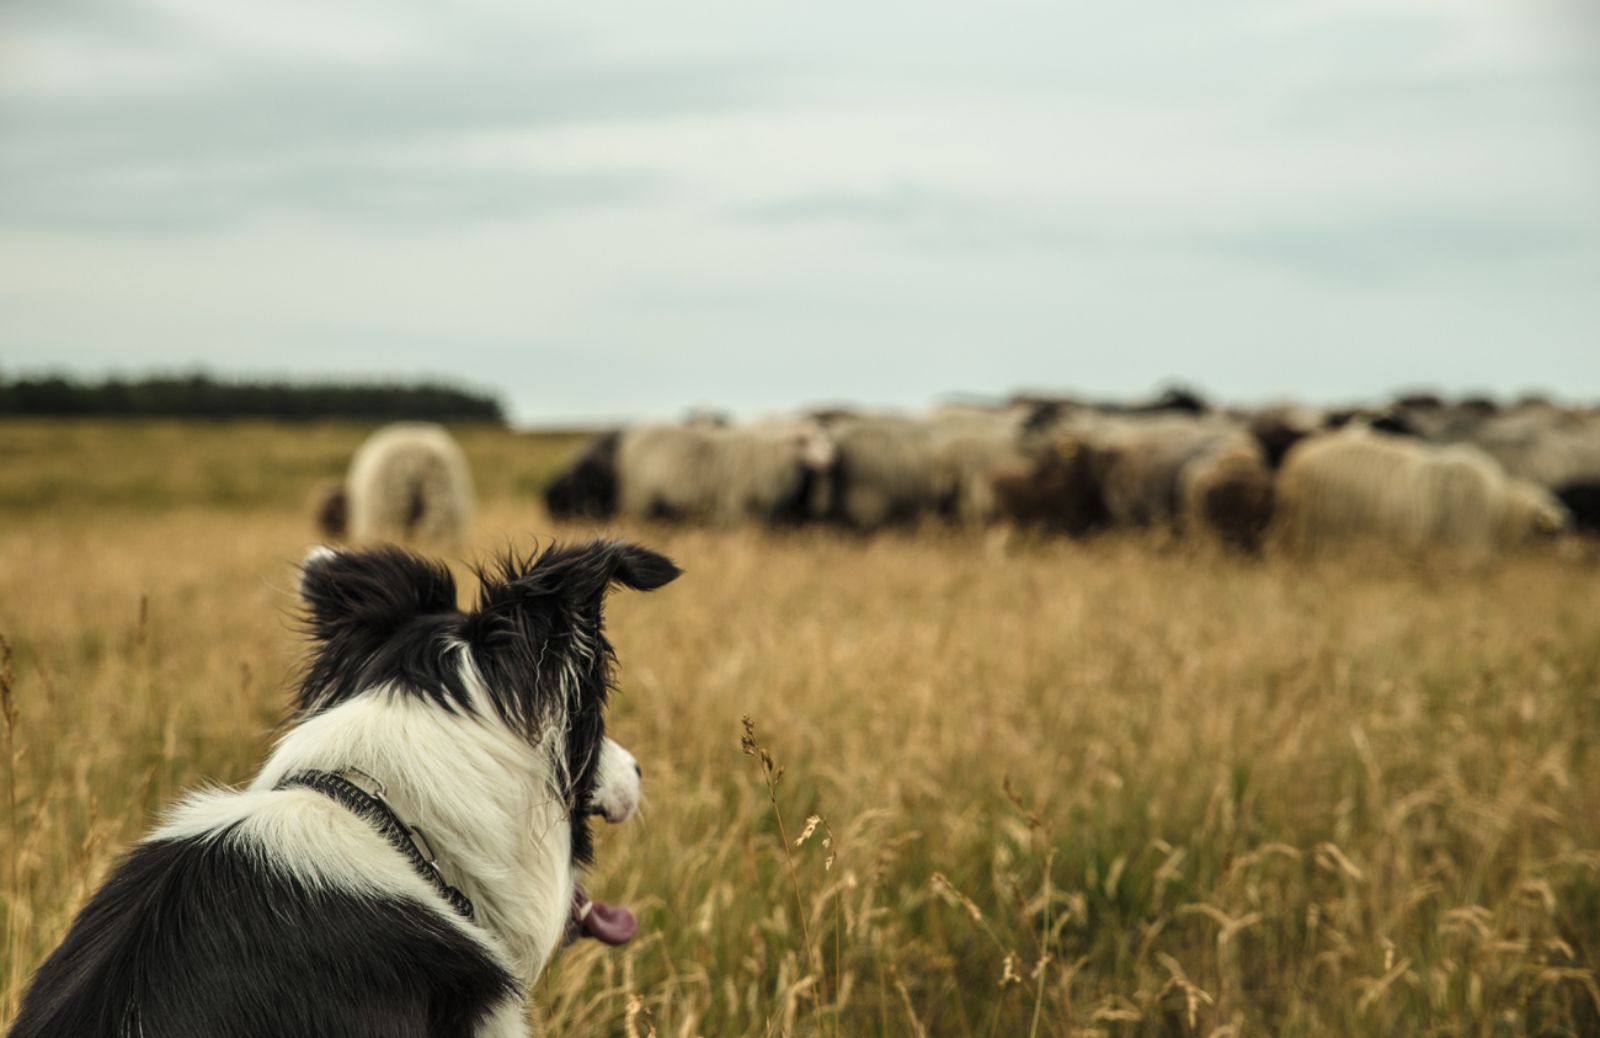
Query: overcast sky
x=617 y=209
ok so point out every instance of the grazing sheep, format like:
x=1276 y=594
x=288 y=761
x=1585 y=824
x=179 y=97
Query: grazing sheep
x=587 y=487
x=1356 y=483
x=1399 y=423
x=1140 y=474
x=1419 y=401
x=1144 y=458
x=1205 y=478
x=708 y=417
x=771 y=471
x=828 y=415
x=1545 y=445
x=409 y=480
x=1532 y=513
x=886 y=472
x=1226 y=492
x=1058 y=490
x=1174 y=400
x=1583 y=501
x=1046 y=421
x=967 y=444
x=1435 y=420
x=1279 y=428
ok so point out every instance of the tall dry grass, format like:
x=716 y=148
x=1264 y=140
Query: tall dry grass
x=988 y=787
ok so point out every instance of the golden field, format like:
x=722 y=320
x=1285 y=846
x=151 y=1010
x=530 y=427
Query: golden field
x=1117 y=788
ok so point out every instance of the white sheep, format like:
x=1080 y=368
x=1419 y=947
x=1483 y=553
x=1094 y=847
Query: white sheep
x=768 y=471
x=408 y=481
x=1357 y=483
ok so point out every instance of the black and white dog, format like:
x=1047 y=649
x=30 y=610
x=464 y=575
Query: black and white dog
x=406 y=862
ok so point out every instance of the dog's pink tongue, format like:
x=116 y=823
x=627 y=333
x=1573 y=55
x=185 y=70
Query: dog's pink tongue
x=608 y=924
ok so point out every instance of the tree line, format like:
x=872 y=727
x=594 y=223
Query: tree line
x=201 y=396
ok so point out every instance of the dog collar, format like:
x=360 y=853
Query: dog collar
x=349 y=787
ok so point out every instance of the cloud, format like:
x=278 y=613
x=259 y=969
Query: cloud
x=1363 y=249
x=279 y=105
x=922 y=217
x=1408 y=246
x=262 y=134
x=347 y=189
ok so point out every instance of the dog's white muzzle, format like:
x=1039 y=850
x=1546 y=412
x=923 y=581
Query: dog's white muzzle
x=616 y=788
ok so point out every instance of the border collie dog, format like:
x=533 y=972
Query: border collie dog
x=406 y=862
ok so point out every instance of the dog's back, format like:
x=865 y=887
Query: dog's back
x=199 y=936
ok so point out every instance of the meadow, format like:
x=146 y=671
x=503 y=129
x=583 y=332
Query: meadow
x=932 y=783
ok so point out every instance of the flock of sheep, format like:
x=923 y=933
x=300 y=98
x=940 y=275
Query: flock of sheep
x=1419 y=472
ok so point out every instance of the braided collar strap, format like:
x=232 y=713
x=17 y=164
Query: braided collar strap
x=345 y=788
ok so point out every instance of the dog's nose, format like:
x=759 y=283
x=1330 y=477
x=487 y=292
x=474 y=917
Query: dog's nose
x=638 y=770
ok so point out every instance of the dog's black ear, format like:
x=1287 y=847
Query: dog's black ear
x=372 y=591
x=639 y=568
x=576 y=575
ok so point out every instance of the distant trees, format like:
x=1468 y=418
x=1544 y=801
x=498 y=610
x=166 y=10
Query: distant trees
x=201 y=396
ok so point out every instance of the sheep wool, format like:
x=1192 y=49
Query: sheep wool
x=409 y=481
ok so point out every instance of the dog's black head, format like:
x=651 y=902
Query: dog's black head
x=383 y=618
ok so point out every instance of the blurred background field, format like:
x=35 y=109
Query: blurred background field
x=157 y=465
x=1125 y=786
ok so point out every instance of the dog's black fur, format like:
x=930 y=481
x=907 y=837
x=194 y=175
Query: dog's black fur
x=194 y=939
x=197 y=937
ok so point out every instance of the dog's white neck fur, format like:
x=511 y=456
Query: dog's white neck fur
x=480 y=794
